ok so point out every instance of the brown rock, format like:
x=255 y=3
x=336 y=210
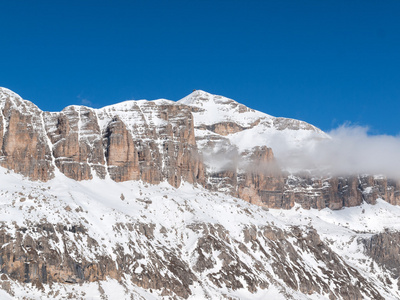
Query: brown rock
x=384 y=249
x=132 y=143
x=121 y=155
x=24 y=144
x=225 y=128
x=77 y=142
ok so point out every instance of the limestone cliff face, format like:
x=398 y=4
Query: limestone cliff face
x=384 y=248
x=380 y=187
x=122 y=157
x=253 y=176
x=149 y=141
x=338 y=192
x=76 y=141
x=30 y=260
x=262 y=181
x=24 y=145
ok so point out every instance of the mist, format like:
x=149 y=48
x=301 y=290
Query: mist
x=350 y=150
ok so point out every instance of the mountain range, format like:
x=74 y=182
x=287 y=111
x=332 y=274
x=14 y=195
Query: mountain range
x=185 y=200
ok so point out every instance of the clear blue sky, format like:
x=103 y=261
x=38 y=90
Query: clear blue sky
x=325 y=62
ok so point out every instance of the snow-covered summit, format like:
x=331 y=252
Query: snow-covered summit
x=214 y=109
x=248 y=128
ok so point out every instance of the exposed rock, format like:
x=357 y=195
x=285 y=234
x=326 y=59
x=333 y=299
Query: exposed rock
x=151 y=141
x=155 y=142
x=224 y=128
x=262 y=182
x=24 y=146
x=338 y=192
x=122 y=157
x=36 y=261
x=285 y=123
x=77 y=146
x=273 y=245
x=384 y=249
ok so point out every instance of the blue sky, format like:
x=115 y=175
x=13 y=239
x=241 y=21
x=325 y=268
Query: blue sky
x=324 y=62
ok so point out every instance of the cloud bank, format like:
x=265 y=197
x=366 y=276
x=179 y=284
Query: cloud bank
x=351 y=150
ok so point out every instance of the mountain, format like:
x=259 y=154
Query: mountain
x=145 y=200
x=202 y=139
x=246 y=128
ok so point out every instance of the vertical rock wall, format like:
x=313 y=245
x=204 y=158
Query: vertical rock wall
x=24 y=146
x=149 y=141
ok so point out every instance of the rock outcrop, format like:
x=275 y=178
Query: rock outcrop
x=338 y=192
x=384 y=249
x=149 y=141
x=76 y=140
x=24 y=144
x=26 y=259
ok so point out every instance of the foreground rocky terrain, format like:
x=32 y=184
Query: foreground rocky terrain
x=155 y=199
x=68 y=239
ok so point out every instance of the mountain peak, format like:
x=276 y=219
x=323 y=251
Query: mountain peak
x=201 y=98
x=197 y=97
x=213 y=109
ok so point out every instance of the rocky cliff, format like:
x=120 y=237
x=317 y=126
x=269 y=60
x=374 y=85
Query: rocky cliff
x=149 y=141
x=203 y=139
x=24 y=146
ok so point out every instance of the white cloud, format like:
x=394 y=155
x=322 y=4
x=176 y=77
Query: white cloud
x=351 y=150
x=85 y=101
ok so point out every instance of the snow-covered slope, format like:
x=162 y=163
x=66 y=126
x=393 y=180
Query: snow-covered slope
x=253 y=128
x=196 y=244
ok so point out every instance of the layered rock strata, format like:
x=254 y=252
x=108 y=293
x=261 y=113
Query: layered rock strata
x=143 y=140
x=338 y=192
x=24 y=147
x=161 y=140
